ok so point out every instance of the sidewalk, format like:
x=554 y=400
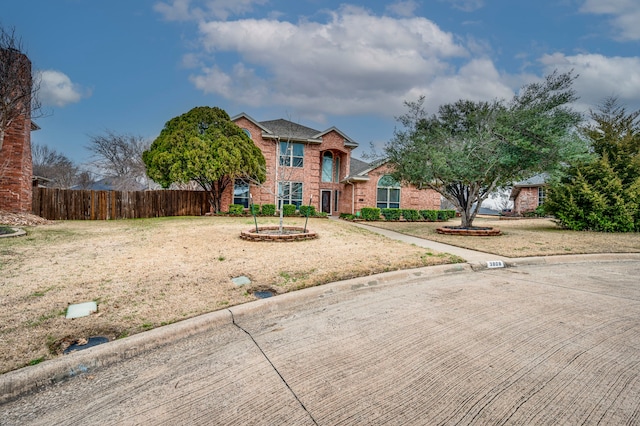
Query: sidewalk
x=471 y=256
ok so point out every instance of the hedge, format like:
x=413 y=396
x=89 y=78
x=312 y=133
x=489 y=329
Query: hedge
x=254 y=209
x=429 y=215
x=268 y=209
x=308 y=210
x=289 y=209
x=370 y=213
x=411 y=215
x=236 y=209
x=391 y=214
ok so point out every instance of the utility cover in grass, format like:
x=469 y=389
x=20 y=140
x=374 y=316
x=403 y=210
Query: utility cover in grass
x=81 y=309
x=241 y=280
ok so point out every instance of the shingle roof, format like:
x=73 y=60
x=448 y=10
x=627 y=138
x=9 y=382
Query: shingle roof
x=357 y=166
x=289 y=129
x=537 y=180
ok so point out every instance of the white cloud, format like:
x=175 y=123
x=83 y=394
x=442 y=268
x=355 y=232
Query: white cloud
x=402 y=8
x=57 y=89
x=466 y=5
x=186 y=10
x=353 y=63
x=600 y=77
x=625 y=15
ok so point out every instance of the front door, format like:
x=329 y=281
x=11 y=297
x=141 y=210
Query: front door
x=326 y=201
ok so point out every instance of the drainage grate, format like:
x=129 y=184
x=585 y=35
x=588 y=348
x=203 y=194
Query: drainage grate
x=91 y=342
x=495 y=264
x=262 y=294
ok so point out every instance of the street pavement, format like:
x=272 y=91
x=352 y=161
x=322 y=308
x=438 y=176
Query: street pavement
x=545 y=341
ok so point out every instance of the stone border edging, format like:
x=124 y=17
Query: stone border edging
x=252 y=235
x=19 y=232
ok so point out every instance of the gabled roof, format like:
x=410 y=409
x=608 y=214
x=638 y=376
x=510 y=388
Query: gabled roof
x=347 y=140
x=359 y=170
x=533 y=182
x=288 y=130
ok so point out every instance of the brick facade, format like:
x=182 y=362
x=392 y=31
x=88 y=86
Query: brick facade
x=16 y=167
x=526 y=200
x=339 y=195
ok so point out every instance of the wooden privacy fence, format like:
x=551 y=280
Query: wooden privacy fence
x=68 y=204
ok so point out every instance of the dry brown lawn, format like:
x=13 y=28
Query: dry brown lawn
x=523 y=238
x=150 y=272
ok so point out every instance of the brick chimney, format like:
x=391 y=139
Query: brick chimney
x=16 y=167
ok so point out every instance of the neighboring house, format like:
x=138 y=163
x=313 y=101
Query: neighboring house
x=528 y=194
x=307 y=165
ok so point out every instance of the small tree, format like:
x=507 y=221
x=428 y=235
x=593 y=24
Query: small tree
x=119 y=157
x=602 y=194
x=205 y=146
x=53 y=165
x=469 y=149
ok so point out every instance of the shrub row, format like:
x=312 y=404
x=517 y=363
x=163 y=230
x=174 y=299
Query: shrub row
x=410 y=215
x=270 y=210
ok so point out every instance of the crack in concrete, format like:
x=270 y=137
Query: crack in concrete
x=233 y=320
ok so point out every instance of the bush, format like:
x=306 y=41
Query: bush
x=254 y=209
x=391 y=214
x=236 y=209
x=347 y=216
x=430 y=215
x=445 y=215
x=308 y=210
x=411 y=215
x=289 y=209
x=268 y=209
x=370 y=213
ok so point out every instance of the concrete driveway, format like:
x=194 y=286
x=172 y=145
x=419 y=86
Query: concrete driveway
x=554 y=343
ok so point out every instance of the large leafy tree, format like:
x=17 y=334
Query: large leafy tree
x=205 y=146
x=602 y=194
x=468 y=149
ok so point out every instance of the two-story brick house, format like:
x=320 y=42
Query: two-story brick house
x=305 y=164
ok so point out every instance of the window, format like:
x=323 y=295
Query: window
x=241 y=193
x=327 y=166
x=290 y=193
x=336 y=196
x=247 y=132
x=336 y=171
x=291 y=154
x=542 y=195
x=388 y=193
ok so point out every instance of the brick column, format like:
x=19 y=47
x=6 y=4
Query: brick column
x=16 y=167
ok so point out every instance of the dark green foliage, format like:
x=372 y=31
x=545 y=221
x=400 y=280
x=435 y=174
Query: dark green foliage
x=430 y=215
x=254 y=209
x=411 y=215
x=308 y=210
x=370 y=213
x=602 y=194
x=268 y=209
x=236 y=209
x=391 y=214
x=443 y=215
x=468 y=149
x=289 y=209
x=347 y=216
x=204 y=146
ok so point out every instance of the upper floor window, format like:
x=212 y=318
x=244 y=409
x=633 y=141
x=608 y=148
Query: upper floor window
x=291 y=154
x=330 y=167
x=327 y=166
x=247 y=132
x=388 y=193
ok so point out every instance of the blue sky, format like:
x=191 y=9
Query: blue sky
x=131 y=65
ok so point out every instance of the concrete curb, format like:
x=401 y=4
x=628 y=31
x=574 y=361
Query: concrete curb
x=18 y=382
